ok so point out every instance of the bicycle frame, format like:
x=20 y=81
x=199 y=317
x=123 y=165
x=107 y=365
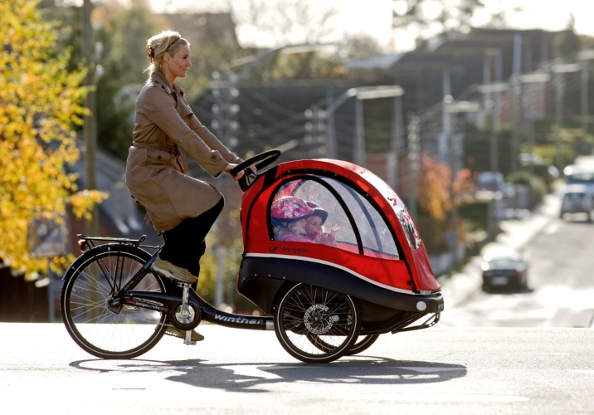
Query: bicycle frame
x=166 y=302
x=208 y=312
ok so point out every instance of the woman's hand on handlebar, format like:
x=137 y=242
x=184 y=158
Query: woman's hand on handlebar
x=250 y=170
x=251 y=166
x=231 y=166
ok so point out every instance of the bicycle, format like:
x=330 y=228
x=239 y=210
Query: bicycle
x=115 y=306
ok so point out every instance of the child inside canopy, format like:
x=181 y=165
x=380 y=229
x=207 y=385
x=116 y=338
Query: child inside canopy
x=297 y=220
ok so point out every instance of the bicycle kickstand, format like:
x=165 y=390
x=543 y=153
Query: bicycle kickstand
x=185 y=311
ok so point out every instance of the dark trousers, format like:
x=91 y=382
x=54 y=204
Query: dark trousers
x=184 y=244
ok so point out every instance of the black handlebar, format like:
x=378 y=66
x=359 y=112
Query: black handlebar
x=259 y=161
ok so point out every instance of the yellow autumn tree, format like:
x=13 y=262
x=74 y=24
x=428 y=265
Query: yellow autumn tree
x=40 y=109
x=434 y=187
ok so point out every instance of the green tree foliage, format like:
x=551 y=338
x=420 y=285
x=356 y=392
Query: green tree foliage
x=39 y=112
x=122 y=32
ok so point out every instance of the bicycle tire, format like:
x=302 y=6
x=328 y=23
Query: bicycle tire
x=362 y=343
x=89 y=284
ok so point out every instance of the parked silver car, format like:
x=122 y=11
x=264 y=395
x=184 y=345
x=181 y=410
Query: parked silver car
x=577 y=198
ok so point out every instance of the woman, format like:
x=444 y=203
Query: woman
x=181 y=207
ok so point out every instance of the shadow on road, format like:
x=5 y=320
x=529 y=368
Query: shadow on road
x=250 y=377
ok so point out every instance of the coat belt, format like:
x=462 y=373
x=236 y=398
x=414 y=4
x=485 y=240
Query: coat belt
x=171 y=150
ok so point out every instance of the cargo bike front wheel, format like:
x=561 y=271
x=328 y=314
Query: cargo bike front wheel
x=306 y=314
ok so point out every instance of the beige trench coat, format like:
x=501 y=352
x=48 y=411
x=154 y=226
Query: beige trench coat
x=156 y=169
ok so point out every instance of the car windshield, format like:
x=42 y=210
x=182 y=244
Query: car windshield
x=503 y=262
x=580 y=178
x=576 y=196
x=489 y=181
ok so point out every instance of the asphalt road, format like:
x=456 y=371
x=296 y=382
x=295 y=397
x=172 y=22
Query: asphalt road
x=560 y=285
x=464 y=365
x=445 y=370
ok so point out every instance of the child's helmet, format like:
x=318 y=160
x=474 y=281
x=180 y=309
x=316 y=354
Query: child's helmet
x=289 y=208
x=317 y=210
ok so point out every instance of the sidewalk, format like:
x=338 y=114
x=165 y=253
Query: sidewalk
x=515 y=233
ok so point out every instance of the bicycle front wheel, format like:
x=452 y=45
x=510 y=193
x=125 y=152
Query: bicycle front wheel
x=362 y=343
x=308 y=317
x=90 y=285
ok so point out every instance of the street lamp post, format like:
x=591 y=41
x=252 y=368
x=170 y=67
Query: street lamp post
x=559 y=71
x=494 y=107
x=585 y=56
x=530 y=113
x=361 y=94
x=516 y=94
x=414 y=159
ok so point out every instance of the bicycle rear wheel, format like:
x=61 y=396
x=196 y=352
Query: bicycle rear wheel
x=89 y=285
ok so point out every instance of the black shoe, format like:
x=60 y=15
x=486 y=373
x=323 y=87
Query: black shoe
x=173 y=272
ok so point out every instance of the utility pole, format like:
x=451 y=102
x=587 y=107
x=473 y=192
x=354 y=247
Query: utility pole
x=516 y=99
x=395 y=145
x=90 y=120
x=414 y=161
x=360 y=154
x=491 y=89
x=315 y=131
x=584 y=95
x=225 y=125
x=360 y=94
x=453 y=108
x=559 y=71
x=442 y=146
x=559 y=95
x=225 y=108
x=585 y=56
x=533 y=106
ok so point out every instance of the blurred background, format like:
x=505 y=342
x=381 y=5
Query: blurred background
x=470 y=109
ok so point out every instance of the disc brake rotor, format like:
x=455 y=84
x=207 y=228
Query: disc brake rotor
x=317 y=320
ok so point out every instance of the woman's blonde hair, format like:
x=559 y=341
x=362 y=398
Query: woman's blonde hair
x=158 y=45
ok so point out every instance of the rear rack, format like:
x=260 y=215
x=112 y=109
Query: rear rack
x=89 y=242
